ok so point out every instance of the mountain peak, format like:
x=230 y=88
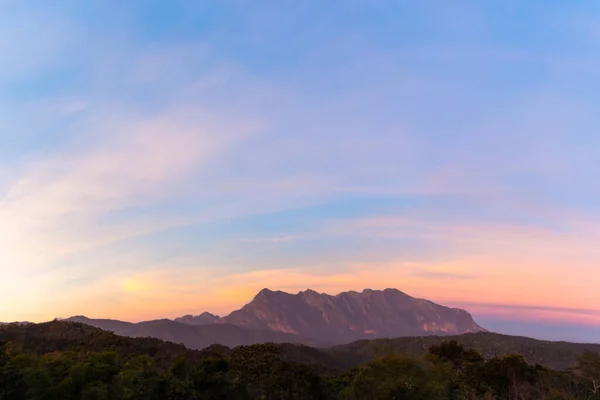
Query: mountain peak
x=312 y=297
x=205 y=318
x=265 y=292
x=76 y=318
x=309 y=292
x=396 y=292
x=269 y=294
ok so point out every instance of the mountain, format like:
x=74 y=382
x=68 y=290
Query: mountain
x=350 y=316
x=205 y=318
x=308 y=317
x=193 y=336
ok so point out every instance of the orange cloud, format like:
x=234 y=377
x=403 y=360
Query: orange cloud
x=171 y=292
x=528 y=313
x=511 y=265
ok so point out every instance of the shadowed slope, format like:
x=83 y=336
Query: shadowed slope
x=555 y=355
x=193 y=337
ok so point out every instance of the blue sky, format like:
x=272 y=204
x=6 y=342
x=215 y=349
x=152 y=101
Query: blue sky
x=161 y=158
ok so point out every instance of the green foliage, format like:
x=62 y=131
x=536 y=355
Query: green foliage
x=70 y=361
x=399 y=378
x=455 y=353
x=554 y=355
x=588 y=365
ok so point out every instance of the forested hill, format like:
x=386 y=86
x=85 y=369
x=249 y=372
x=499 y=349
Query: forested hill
x=68 y=361
x=555 y=355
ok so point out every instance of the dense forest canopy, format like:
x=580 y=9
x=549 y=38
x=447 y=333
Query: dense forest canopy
x=65 y=360
x=553 y=355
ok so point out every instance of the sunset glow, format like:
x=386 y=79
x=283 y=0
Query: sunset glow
x=155 y=167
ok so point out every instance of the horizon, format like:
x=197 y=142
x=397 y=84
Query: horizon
x=159 y=158
x=543 y=330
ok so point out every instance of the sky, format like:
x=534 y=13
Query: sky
x=168 y=158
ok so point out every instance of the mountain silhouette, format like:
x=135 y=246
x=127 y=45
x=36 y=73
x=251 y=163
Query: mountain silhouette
x=194 y=336
x=308 y=318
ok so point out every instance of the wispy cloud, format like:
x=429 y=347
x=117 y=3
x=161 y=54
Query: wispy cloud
x=132 y=163
x=335 y=158
x=115 y=160
x=523 y=312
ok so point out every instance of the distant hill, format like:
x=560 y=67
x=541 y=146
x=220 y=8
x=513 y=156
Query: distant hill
x=205 y=318
x=554 y=355
x=193 y=336
x=345 y=317
x=70 y=335
x=71 y=360
x=73 y=336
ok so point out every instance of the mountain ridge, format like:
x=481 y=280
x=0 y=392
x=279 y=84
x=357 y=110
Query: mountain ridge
x=558 y=355
x=205 y=318
x=307 y=317
x=195 y=337
x=554 y=354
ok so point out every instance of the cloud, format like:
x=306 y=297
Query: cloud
x=129 y=162
x=111 y=168
x=136 y=161
x=528 y=313
x=425 y=273
x=169 y=289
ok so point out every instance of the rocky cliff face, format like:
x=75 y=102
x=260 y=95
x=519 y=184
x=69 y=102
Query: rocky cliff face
x=350 y=316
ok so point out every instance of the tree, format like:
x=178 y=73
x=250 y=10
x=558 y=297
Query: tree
x=588 y=365
x=454 y=353
x=398 y=378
